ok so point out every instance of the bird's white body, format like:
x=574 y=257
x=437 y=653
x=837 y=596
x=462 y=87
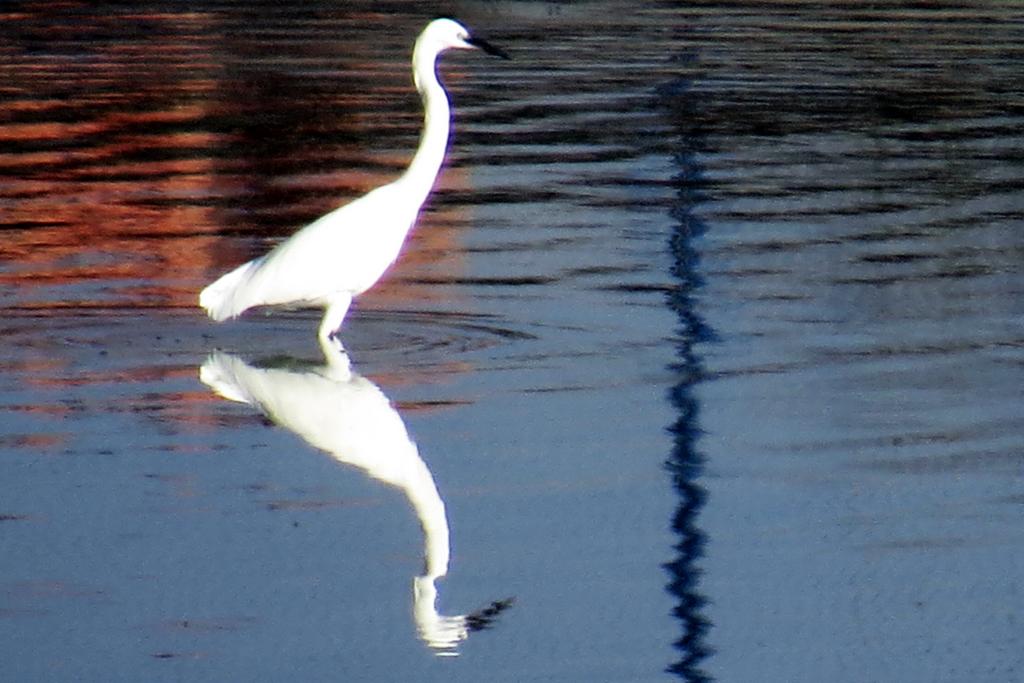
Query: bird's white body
x=314 y=268
x=342 y=254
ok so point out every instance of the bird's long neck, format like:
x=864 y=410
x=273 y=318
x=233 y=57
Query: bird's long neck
x=426 y=164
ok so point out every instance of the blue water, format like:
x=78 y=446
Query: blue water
x=705 y=357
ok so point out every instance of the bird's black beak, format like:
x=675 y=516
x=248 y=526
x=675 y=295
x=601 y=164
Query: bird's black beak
x=487 y=47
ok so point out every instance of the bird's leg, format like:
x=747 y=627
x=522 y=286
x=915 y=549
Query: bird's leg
x=333 y=316
x=338 y=366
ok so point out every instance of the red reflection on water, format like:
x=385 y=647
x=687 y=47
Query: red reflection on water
x=142 y=155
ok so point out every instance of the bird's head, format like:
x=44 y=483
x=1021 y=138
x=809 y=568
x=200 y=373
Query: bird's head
x=442 y=34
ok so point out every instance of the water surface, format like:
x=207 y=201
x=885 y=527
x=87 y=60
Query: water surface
x=708 y=347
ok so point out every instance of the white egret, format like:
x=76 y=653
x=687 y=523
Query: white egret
x=345 y=252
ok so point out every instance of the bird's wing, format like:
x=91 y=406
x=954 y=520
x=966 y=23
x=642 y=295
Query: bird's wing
x=346 y=250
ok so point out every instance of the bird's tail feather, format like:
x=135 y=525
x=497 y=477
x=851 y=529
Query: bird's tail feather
x=223 y=299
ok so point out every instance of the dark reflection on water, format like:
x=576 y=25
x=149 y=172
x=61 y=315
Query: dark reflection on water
x=860 y=185
x=686 y=463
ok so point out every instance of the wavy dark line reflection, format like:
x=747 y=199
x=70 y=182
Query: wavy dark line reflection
x=686 y=463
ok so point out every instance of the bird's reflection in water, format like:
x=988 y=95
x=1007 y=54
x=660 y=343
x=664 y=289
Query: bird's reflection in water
x=343 y=413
